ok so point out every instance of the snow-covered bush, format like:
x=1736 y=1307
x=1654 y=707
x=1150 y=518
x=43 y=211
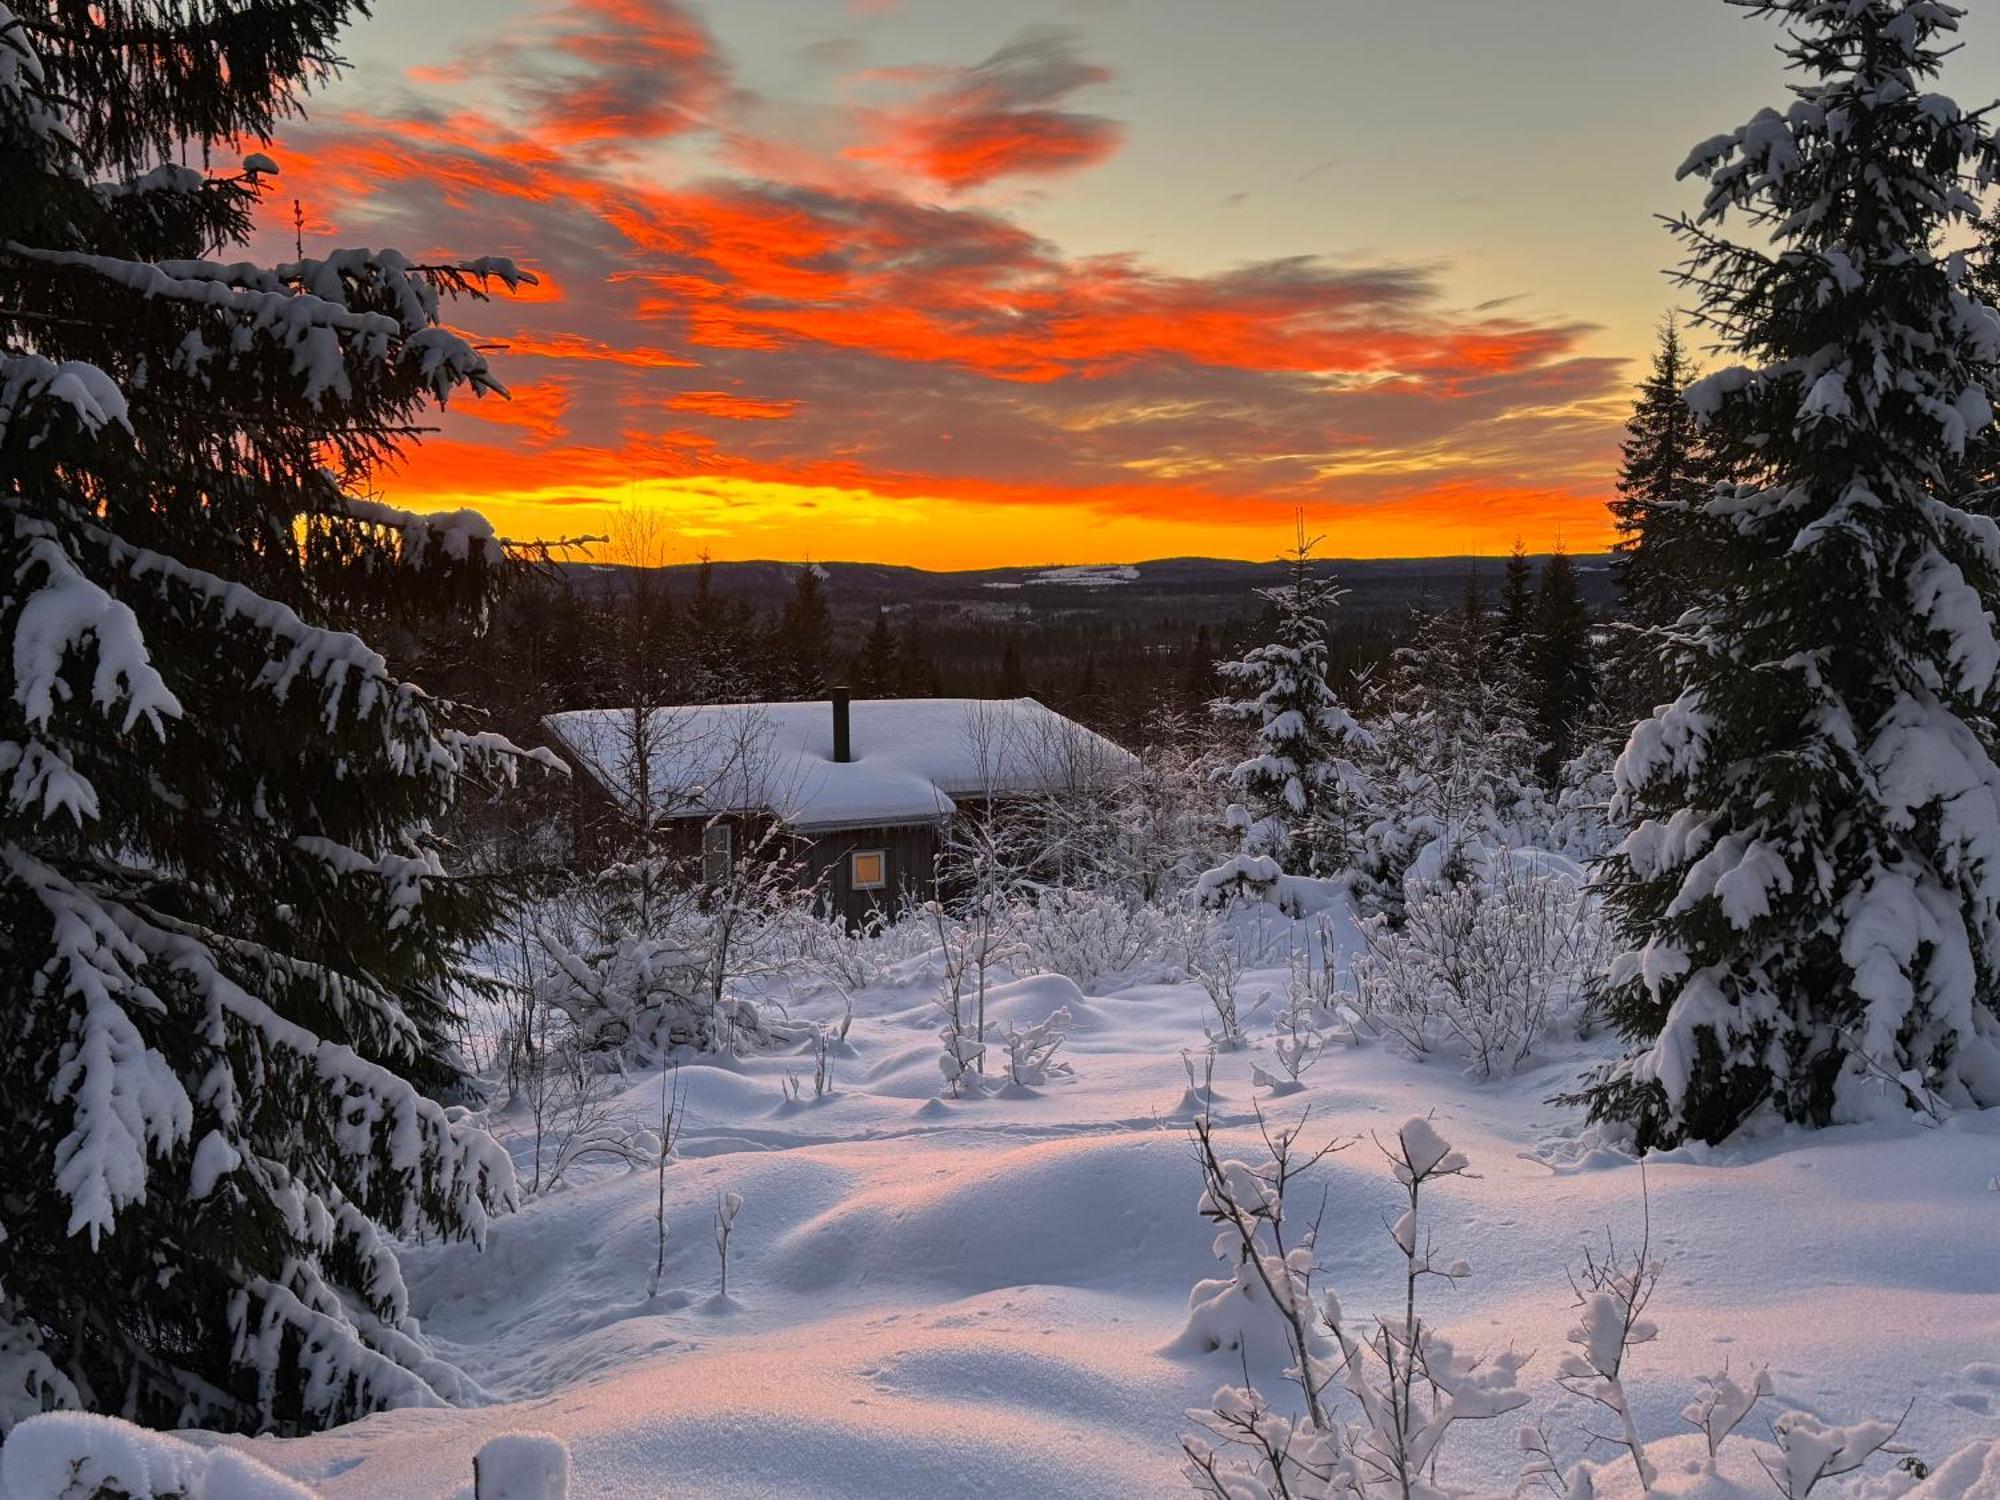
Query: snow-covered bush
x=1367 y=1412
x=1170 y=822
x=1031 y=1050
x=571 y=1106
x=646 y=957
x=968 y=949
x=1215 y=961
x=1579 y=824
x=1484 y=964
x=1811 y=1451
x=1721 y=1404
x=1410 y=1384
x=1262 y=1310
x=850 y=958
x=1404 y=1381
x=1082 y=934
x=821 y=1039
x=1298 y=1037
x=1612 y=1292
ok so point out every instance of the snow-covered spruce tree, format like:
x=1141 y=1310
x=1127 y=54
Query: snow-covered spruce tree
x=1301 y=795
x=230 y=944
x=1810 y=893
x=1666 y=474
x=1454 y=767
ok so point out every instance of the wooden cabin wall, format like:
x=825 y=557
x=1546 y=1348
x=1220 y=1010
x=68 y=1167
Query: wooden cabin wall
x=911 y=851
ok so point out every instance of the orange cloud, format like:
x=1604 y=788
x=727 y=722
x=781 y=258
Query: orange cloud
x=739 y=408
x=535 y=410
x=577 y=346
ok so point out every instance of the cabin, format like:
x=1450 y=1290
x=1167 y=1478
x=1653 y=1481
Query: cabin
x=862 y=791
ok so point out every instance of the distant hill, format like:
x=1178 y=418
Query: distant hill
x=1187 y=588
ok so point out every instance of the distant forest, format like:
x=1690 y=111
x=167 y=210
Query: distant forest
x=1110 y=646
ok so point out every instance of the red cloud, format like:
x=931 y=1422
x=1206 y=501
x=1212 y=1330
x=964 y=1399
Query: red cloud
x=600 y=72
x=1000 y=118
x=648 y=69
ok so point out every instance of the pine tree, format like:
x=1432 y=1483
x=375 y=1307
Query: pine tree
x=1517 y=598
x=1669 y=469
x=1089 y=690
x=805 y=636
x=1199 y=683
x=1303 y=798
x=1013 y=676
x=716 y=648
x=914 y=673
x=875 y=665
x=232 y=948
x=1564 y=675
x=1810 y=892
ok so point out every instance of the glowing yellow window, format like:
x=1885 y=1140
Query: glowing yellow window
x=868 y=869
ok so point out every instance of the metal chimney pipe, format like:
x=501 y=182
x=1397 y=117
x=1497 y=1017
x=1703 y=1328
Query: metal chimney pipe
x=843 y=732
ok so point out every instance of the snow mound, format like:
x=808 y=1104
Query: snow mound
x=1973 y=1473
x=522 y=1466
x=1030 y=1002
x=1062 y=1213
x=61 y=1455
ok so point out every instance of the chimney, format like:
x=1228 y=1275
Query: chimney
x=843 y=734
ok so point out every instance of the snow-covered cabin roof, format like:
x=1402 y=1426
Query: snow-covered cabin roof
x=912 y=758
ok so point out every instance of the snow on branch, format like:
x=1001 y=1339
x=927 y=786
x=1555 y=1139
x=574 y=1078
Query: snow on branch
x=456 y=534
x=128 y=1099
x=29 y=380
x=62 y=616
x=24 y=84
x=126 y=1104
x=308 y=308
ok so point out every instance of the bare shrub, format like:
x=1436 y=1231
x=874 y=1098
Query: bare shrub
x=1082 y=934
x=1483 y=965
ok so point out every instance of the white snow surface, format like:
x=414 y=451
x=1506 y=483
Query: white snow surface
x=991 y=1297
x=911 y=757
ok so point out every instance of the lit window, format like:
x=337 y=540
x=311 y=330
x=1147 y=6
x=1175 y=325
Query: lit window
x=868 y=870
x=715 y=852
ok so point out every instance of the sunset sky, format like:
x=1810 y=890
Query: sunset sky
x=956 y=283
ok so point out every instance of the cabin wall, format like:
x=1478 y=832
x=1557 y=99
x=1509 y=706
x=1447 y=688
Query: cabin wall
x=911 y=855
x=910 y=852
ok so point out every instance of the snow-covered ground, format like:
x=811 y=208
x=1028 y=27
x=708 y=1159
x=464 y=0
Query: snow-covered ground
x=935 y=1298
